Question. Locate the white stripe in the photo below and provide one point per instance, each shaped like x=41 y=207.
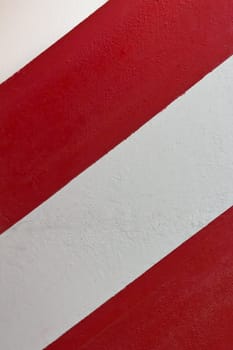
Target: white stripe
x=119 y=217
x=28 y=27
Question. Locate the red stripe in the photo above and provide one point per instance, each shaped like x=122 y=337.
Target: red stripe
x=96 y=86
x=183 y=302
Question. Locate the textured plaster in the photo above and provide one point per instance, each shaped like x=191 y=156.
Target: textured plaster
x=28 y=27
x=119 y=217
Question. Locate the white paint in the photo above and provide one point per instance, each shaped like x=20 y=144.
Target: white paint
x=28 y=27
x=119 y=217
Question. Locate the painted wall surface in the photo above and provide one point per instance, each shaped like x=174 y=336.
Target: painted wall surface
x=28 y=27
x=125 y=212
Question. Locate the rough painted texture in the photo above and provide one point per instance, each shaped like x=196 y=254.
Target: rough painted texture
x=119 y=217
x=27 y=27
x=184 y=302
x=96 y=86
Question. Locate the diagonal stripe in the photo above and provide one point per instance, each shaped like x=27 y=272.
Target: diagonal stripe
x=29 y=27
x=120 y=217
x=96 y=86
x=184 y=302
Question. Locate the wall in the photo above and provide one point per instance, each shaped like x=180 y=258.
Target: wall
x=125 y=212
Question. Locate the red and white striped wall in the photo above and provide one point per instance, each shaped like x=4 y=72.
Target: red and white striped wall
x=115 y=149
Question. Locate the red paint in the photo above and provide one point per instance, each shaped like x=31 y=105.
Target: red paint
x=183 y=302
x=96 y=86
